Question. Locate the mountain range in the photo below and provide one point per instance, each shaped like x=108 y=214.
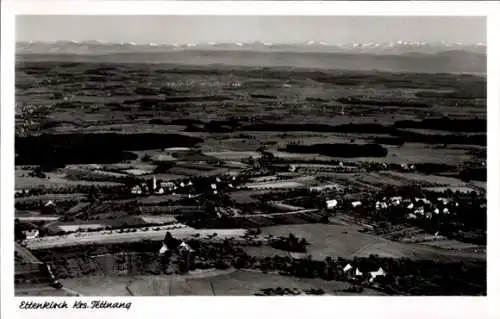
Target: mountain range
x=400 y=56
x=102 y=47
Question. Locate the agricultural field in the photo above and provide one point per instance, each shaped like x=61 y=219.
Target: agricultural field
x=274 y=184
x=348 y=242
x=207 y=283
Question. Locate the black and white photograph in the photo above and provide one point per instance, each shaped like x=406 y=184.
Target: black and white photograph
x=206 y=155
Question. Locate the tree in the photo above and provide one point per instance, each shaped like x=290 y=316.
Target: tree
x=19 y=235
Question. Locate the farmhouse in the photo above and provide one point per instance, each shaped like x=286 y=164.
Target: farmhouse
x=375 y=274
x=31 y=234
x=347 y=268
x=332 y=203
x=356 y=204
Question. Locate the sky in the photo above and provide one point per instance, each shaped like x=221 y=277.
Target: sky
x=276 y=29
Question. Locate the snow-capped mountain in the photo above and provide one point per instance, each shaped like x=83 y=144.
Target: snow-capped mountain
x=103 y=47
x=397 y=56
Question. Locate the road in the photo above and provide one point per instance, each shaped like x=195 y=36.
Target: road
x=38 y=218
x=278 y=214
x=25 y=254
x=115 y=237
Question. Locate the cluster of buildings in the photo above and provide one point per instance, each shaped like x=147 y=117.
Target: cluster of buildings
x=416 y=207
x=356 y=274
x=183 y=247
x=156 y=187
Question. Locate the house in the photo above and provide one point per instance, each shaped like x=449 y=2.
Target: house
x=428 y=215
x=411 y=216
x=419 y=211
x=443 y=200
x=214 y=186
x=163 y=249
x=331 y=203
x=49 y=204
x=324 y=187
x=347 y=268
x=410 y=206
x=446 y=211
x=381 y=205
x=356 y=204
x=167 y=185
x=358 y=273
x=436 y=211
x=375 y=274
x=136 y=190
x=184 y=246
x=31 y=234
x=160 y=191
x=396 y=200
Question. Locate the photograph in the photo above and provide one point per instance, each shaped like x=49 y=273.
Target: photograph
x=250 y=155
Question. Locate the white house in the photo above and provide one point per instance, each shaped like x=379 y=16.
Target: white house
x=167 y=185
x=331 y=203
x=358 y=273
x=356 y=204
x=347 y=268
x=375 y=274
x=31 y=234
x=396 y=200
x=163 y=249
x=443 y=200
x=419 y=211
x=136 y=190
x=184 y=246
x=49 y=203
x=214 y=186
x=381 y=205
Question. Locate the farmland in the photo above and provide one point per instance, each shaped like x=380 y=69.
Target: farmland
x=277 y=178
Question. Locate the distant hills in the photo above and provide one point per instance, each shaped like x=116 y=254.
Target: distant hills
x=399 y=56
